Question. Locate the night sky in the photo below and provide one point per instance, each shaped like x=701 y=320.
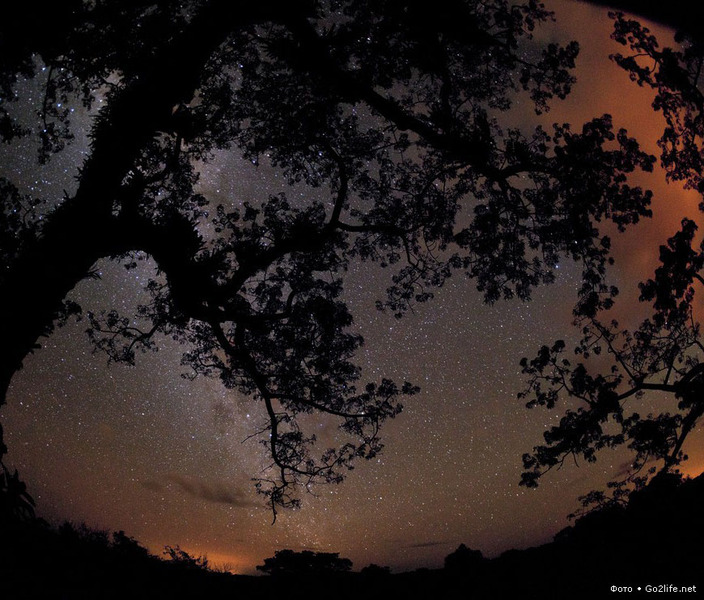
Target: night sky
x=143 y=450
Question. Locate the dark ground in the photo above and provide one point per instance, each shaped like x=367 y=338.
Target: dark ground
x=655 y=541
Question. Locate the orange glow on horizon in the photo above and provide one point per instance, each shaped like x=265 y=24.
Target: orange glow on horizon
x=237 y=563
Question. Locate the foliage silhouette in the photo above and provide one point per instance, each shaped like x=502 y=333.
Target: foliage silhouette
x=15 y=501
x=306 y=562
x=373 y=570
x=664 y=354
x=464 y=559
x=652 y=538
x=75 y=561
x=181 y=557
x=389 y=119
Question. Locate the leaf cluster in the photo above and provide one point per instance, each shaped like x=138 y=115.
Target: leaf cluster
x=662 y=358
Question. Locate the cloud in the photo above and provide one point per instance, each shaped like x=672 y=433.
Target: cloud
x=430 y=544
x=216 y=492
x=152 y=486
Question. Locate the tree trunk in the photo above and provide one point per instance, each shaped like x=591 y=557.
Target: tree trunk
x=89 y=226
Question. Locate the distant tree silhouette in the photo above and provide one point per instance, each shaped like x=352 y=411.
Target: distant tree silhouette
x=290 y=562
x=374 y=570
x=184 y=560
x=389 y=118
x=464 y=560
x=663 y=356
x=75 y=561
x=127 y=547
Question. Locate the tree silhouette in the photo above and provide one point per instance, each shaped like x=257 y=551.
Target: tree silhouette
x=664 y=354
x=307 y=562
x=464 y=560
x=374 y=571
x=391 y=117
x=184 y=560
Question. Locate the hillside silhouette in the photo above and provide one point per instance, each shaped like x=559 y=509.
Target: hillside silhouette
x=654 y=540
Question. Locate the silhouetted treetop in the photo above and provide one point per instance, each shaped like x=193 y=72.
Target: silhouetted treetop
x=464 y=560
x=374 y=571
x=390 y=118
x=306 y=562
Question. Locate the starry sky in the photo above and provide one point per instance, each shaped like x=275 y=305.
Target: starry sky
x=143 y=450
